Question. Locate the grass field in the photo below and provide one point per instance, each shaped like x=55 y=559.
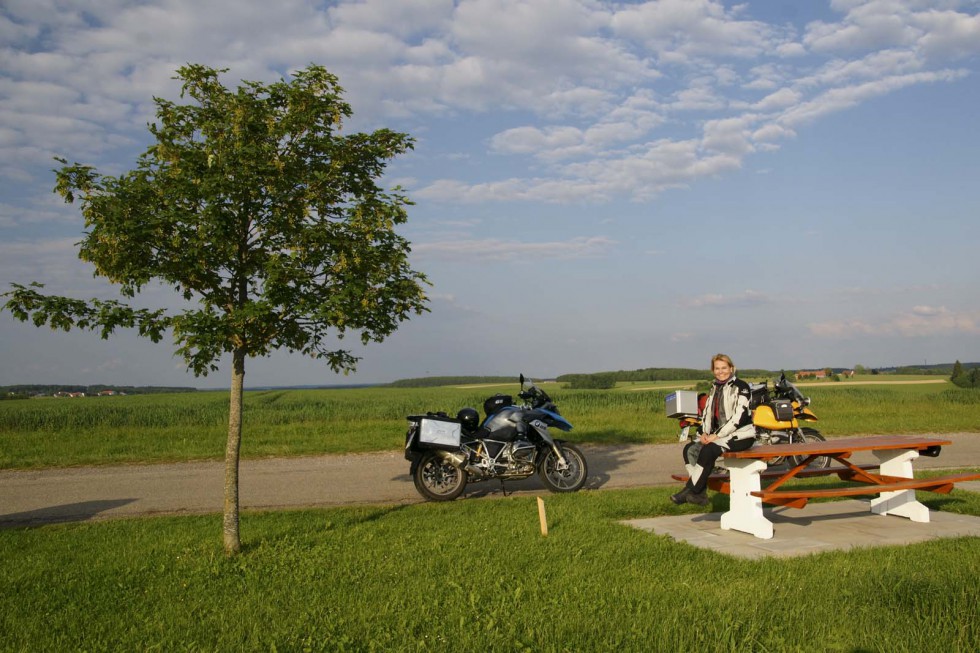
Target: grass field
x=473 y=576
x=172 y=427
x=469 y=575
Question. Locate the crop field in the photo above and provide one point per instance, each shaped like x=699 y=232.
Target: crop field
x=49 y=432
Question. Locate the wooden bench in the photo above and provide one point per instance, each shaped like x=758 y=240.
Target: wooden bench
x=895 y=483
x=798 y=497
x=721 y=482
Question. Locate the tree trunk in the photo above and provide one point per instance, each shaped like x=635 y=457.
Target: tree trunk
x=233 y=543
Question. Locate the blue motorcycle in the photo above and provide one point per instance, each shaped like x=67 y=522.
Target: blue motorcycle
x=512 y=442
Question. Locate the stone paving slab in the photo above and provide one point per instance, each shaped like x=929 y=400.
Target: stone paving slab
x=819 y=527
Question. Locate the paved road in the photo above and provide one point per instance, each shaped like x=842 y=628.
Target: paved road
x=79 y=494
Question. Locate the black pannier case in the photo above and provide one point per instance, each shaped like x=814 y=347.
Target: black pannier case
x=758 y=395
x=496 y=402
x=782 y=409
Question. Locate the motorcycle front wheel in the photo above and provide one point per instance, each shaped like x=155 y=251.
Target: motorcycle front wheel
x=436 y=479
x=810 y=435
x=568 y=479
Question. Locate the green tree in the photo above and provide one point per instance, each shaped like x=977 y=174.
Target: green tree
x=269 y=223
x=957 y=371
x=600 y=381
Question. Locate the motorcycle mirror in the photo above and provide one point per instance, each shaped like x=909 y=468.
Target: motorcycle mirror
x=522 y=379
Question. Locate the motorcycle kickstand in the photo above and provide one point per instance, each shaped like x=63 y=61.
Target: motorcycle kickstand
x=502 y=488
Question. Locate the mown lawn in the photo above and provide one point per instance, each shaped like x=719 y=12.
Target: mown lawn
x=473 y=575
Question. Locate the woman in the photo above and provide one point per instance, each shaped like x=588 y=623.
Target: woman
x=726 y=425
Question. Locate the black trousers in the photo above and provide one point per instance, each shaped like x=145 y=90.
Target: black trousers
x=707 y=457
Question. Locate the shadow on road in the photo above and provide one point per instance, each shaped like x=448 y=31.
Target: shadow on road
x=603 y=462
x=69 y=512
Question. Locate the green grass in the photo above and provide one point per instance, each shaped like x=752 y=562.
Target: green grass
x=473 y=576
x=173 y=427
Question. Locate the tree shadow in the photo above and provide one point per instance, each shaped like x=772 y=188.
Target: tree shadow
x=68 y=512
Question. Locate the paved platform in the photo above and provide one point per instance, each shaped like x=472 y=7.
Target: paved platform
x=819 y=527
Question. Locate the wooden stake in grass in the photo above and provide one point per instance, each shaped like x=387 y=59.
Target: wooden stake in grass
x=542 y=517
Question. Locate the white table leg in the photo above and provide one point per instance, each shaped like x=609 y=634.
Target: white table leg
x=745 y=512
x=903 y=502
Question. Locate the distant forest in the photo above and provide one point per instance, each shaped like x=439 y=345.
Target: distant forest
x=434 y=381
x=609 y=379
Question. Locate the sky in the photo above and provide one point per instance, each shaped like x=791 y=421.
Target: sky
x=597 y=185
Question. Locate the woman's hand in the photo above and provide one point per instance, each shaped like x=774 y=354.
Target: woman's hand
x=708 y=438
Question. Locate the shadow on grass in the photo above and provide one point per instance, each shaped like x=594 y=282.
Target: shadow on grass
x=69 y=512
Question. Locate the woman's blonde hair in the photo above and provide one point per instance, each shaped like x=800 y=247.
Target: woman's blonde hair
x=722 y=357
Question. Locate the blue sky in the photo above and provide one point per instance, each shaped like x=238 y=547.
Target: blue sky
x=598 y=185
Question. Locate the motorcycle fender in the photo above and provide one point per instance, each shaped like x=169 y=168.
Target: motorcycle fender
x=542 y=429
x=806 y=414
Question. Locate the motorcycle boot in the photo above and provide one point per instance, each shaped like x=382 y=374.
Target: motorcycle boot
x=681 y=497
x=697 y=498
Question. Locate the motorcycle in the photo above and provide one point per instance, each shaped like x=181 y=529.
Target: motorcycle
x=776 y=415
x=777 y=419
x=513 y=442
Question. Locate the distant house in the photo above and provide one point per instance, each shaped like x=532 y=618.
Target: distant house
x=847 y=373
x=811 y=374
x=107 y=393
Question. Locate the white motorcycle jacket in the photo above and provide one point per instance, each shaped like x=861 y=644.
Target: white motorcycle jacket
x=738 y=418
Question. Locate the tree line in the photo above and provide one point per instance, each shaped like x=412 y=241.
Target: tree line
x=435 y=381
x=966 y=376
x=36 y=390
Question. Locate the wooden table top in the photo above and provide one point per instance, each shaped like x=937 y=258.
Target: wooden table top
x=840 y=445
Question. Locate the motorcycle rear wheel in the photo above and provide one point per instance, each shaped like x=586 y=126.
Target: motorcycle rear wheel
x=570 y=479
x=810 y=435
x=436 y=479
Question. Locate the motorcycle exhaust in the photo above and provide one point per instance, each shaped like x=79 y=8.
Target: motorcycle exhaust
x=457 y=459
x=453 y=458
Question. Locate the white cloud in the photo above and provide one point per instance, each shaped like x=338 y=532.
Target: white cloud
x=839 y=99
x=949 y=34
x=596 y=63
x=571 y=102
x=679 y=29
x=502 y=250
x=748 y=298
x=934 y=28
x=918 y=322
x=784 y=97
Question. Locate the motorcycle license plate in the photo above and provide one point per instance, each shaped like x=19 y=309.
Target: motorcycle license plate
x=683 y=435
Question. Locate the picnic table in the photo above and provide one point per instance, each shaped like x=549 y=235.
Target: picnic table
x=893 y=481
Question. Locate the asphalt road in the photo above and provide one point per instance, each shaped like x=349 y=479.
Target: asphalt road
x=87 y=493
